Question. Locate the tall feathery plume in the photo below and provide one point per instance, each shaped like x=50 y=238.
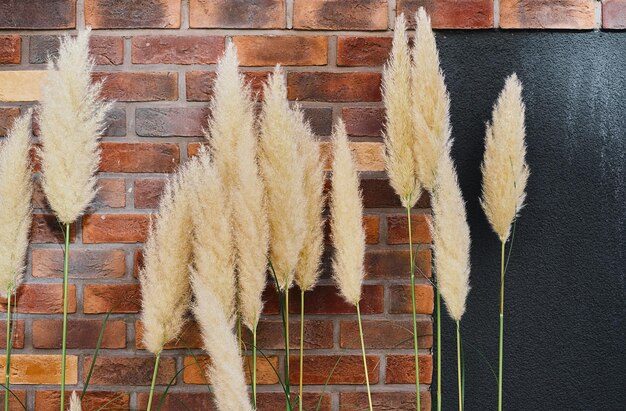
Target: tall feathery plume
x=226 y=369
x=71 y=120
x=16 y=192
x=308 y=268
x=400 y=140
x=283 y=173
x=505 y=174
x=234 y=147
x=348 y=234
x=75 y=404
x=451 y=244
x=165 y=287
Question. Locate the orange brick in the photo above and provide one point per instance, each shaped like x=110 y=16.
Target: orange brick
x=10 y=49
x=133 y=86
x=83 y=263
x=284 y=50
x=195 y=370
x=177 y=49
x=397 y=401
x=368 y=156
x=401 y=369
x=115 y=228
x=139 y=157
x=40 y=369
x=117 y=298
x=93 y=400
x=257 y=14
x=398 y=232
x=42 y=299
x=348 y=369
x=401 y=300
x=390 y=334
x=340 y=14
x=129 y=371
x=448 y=14
x=547 y=14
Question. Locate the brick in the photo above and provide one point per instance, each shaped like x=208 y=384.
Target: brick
x=446 y=14
x=115 y=228
x=177 y=49
x=80 y=334
x=372 y=228
x=320 y=119
x=348 y=369
x=363 y=121
x=401 y=303
x=398 y=233
x=189 y=338
x=265 y=374
x=132 y=14
x=93 y=400
x=29 y=14
x=614 y=14
x=362 y=51
x=40 y=369
x=401 y=369
x=10 y=49
x=368 y=156
x=42 y=299
x=251 y=14
x=385 y=401
x=106 y=50
x=334 y=87
x=111 y=193
x=318 y=334
x=388 y=264
x=115 y=123
x=391 y=334
x=8 y=116
x=372 y=301
x=283 y=50
x=117 y=298
x=127 y=371
x=276 y=400
x=377 y=193
x=147 y=192
x=23 y=85
x=14 y=404
x=134 y=86
x=547 y=14
x=340 y=14
x=178 y=401
x=168 y=122
x=137 y=262
x=18 y=333
x=48 y=263
x=139 y=157
x=199 y=84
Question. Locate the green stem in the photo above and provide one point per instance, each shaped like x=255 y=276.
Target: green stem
x=254 y=366
x=458 y=364
x=66 y=264
x=154 y=376
x=501 y=327
x=415 y=336
x=367 y=377
x=7 y=368
x=287 y=348
x=438 y=349
x=301 y=344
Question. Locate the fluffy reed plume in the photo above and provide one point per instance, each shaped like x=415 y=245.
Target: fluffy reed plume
x=283 y=174
x=71 y=120
x=226 y=370
x=234 y=147
x=451 y=239
x=16 y=191
x=213 y=251
x=431 y=102
x=400 y=138
x=504 y=167
x=75 y=404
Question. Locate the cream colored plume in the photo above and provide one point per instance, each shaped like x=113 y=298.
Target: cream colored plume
x=504 y=167
x=213 y=248
x=71 y=119
x=346 y=214
x=226 y=369
x=165 y=288
x=431 y=102
x=16 y=192
x=400 y=137
x=451 y=239
x=283 y=173
x=308 y=268
x=75 y=402
x=234 y=146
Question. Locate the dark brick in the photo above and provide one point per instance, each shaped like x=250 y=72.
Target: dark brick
x=132 y=14
x=363 y=51
x=252 y=14
x=167 y=122
x=29 y=14
x=106 y=50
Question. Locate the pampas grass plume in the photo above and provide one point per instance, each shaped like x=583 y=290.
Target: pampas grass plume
x=283 y=174
x=504 y=167
x=431 y=102
x=400 y=138
x=16 y=191
x=451 y=239
x=226 y=369
x=71 y=120
x=346 y=209
x=165 y=288
x=75 y=404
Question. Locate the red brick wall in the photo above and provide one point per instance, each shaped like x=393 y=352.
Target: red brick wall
x=158 y=57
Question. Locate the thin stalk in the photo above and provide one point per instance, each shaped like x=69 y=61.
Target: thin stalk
x=7 y=368
x=501 y=327
x=367 y=377
x=66 y=264
x=415 y=337
x=154 y=376
x=287 y=347
x=458 y=364
x=301 y=344
x=254 y=366
x=438 y=350
x=239 y=331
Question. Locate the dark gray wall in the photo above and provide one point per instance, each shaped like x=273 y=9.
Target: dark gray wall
x=565 y=300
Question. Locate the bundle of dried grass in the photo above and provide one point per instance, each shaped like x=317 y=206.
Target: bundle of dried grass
x=75 y=404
